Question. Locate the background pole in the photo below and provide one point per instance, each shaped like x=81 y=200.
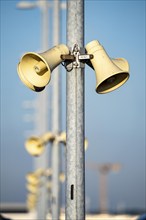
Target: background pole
x=56 y=119
x=42 y=125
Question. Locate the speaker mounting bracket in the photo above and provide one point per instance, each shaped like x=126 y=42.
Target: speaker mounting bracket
x=76 y=59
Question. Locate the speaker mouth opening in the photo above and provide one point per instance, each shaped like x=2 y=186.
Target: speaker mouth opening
x=112 y=83
x=38 y=89
x=34 y=146
x=34 y=71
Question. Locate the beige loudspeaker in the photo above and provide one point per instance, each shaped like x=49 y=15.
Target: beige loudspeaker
x=110 y=73
x=31 y=197
x=34 y=69
x=33 y=179
x=36 y=145
x=32 y=188
x=31 y=204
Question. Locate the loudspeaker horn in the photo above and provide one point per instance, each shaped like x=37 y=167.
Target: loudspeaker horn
x=33 y=179
x=110 y=73
x=31 y=188
x=34 y=69
x=36 y=145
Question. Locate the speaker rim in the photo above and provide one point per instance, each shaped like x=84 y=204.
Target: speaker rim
x=118 y=85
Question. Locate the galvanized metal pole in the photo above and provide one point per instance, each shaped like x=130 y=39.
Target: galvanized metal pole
x=56 y=120
x=75 y=185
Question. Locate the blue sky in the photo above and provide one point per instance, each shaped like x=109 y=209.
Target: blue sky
x=114 y=122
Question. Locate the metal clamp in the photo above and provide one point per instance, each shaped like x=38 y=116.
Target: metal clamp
x=76 y=59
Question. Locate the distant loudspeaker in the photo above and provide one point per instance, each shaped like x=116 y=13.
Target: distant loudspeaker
x=32 y=188
x=33 y=179
x=110 y=73
x=36 y=145
x=34 y=69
